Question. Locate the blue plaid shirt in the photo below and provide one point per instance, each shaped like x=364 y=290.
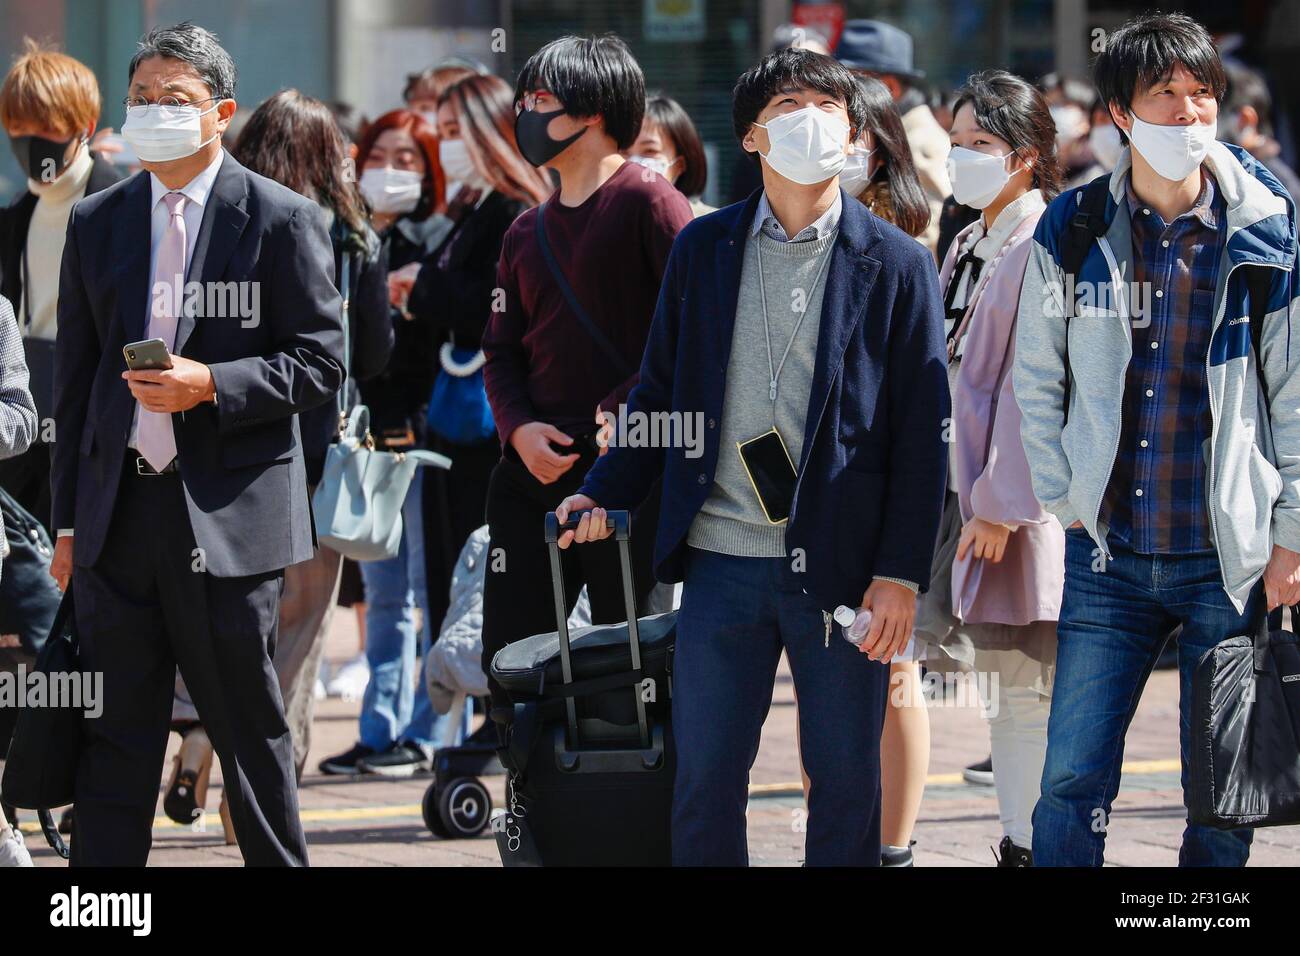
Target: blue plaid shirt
x=1156 y=500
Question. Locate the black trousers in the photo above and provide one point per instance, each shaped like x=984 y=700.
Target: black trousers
x=517 y=597
x=146 y=607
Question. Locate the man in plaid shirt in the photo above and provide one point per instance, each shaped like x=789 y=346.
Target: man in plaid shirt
x=1155 y=502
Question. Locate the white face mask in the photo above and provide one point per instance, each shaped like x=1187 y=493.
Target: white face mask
x=657 y=163
x=1069 y=120
x=855 y=175
x=1105 y=144
x=391 y=190
x=977 y=178
x=159 y=134
x=453 y=154
x=429 y=116
x=1174 y=152
x=807 y=145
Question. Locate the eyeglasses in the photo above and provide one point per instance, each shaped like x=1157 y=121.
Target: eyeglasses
x=530 y=101
x=168 y=102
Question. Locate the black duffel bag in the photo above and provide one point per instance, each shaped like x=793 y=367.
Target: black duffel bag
x=41 y=766
x=1245 y=761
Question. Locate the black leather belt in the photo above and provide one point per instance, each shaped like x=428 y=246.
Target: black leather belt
x=142 y=467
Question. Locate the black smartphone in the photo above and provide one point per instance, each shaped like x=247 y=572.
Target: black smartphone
x=147 y=354
x=771 y=472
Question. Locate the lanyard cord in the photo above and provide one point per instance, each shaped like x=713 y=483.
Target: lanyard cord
x=775 y=373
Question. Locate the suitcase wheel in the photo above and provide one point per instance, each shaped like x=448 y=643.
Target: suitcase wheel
x=457 y=810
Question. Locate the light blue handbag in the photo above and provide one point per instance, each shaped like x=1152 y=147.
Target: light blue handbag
x=358 y=503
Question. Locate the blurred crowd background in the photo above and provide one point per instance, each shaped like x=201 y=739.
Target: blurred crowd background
x=361 y=52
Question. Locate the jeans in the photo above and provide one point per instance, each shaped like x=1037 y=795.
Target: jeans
x=737 y=616
x=1113 y=625
x=396 y=704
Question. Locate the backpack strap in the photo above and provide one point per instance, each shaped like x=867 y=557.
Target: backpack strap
x=1086 y=226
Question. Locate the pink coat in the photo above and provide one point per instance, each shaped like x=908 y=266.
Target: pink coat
x=991 y=471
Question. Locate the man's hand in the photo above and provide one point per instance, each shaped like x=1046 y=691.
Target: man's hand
x=533 y=443
x=1282 y=578
x=177 y=389
x=591 y=527
x=986 y=539
x=61 y=563
x=893 y=609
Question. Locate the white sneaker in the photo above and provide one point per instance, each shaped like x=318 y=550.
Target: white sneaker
x=349 y=681
x=13 y=852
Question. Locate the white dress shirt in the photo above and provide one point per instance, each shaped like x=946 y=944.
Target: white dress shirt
x=196 y=193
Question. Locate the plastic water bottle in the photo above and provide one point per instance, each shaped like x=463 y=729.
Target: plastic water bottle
x=854 y=624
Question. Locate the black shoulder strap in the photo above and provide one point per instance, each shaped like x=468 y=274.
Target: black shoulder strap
x=1087 y=225
x=606 y=346
x=1258 y=280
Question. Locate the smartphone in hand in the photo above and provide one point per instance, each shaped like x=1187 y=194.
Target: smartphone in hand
x=147 y=354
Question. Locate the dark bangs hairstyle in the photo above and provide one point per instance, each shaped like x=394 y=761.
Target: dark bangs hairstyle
x=1015 y=110
x=590 y=76
x=911 y=211
x=794 y=69
x=294 y=139
x=433 y=190
x=674 y=122
x=1144 y=52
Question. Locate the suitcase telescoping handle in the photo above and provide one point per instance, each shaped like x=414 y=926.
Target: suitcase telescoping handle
x=620 y=522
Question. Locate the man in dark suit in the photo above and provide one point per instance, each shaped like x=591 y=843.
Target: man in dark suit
x=184 y=489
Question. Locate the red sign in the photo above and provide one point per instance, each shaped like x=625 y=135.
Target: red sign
x=826 y=18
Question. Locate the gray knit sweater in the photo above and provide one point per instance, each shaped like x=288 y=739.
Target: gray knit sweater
x=731 y=520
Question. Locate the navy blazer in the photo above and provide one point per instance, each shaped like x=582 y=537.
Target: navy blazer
x=874 y=463
x=241 y=462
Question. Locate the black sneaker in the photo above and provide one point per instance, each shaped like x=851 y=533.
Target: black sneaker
x=980 y=774
x=897 y=855
x=403 y=759
x=346 y=763
x=1008 y=854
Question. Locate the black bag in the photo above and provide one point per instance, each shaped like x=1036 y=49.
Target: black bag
x=589 y=746
x=41 y=767
x=29 y=597
x=1244 y=768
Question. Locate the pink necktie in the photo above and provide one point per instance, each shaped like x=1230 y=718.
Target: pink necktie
x=155 y=438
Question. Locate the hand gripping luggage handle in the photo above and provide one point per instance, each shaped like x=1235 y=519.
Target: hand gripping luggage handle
x=621 y=523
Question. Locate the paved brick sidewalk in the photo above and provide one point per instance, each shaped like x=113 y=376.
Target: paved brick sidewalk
x=374 y=822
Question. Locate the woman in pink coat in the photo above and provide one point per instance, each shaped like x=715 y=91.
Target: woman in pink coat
x=999 y=567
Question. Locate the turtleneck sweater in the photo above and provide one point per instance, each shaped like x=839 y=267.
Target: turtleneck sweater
x=44 y=250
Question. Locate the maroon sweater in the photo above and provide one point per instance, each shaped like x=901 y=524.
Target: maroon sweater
x=542 y=365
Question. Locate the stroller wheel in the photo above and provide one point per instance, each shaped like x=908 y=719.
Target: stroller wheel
x=429 y=809
x=464 y=806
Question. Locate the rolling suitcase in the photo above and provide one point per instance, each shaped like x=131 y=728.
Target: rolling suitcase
x=589 y=745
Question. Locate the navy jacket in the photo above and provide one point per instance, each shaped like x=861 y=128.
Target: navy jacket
x=874 y=462
x=241 y=462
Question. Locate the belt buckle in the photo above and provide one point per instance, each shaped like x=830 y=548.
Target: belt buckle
x=144 y=469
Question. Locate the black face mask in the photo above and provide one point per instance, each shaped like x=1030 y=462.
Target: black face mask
x=535 y=142
x=43 y=160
